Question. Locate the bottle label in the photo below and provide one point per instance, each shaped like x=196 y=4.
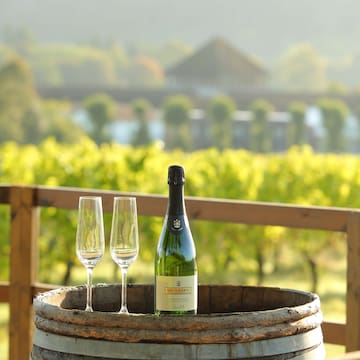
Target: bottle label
x=176 y=293
x=176 y=223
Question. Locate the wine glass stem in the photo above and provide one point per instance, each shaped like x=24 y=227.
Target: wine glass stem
x=123 y=309
x=89 y=271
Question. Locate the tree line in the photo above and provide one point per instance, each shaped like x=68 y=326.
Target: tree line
x=176 y=114
x=102 y=64
x=301 y=67
x=26 y=118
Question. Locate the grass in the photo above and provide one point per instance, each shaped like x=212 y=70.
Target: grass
x=291 y=274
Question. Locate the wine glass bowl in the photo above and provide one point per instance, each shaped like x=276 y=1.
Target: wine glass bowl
x=90 y=239
x=124 y=240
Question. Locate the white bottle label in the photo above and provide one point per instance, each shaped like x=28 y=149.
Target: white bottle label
x=176 y=293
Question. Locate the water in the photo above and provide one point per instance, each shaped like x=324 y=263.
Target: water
x=123 y=131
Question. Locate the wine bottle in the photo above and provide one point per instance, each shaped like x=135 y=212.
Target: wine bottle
x=175 y=261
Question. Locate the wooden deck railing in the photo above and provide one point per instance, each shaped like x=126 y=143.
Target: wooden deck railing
x=25 y=202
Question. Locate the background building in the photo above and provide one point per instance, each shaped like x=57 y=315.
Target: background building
x=217 y=66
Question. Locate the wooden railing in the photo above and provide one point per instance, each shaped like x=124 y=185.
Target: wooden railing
x=25 y=202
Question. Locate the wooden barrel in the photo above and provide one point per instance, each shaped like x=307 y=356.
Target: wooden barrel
x=234 y=322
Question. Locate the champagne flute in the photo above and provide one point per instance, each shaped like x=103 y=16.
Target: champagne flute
x=90 y=240
x=124 y=240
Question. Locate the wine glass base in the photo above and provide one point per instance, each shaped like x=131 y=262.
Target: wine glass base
x=124 y=310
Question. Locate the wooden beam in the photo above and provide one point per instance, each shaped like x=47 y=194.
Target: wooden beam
x=244 y=212
x=4 y=291
x=260 y=213
x=353 y=283
x=23 y=269
x=334 y=333
x=4 y=194
x=68 y=198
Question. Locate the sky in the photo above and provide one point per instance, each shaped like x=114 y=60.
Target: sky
x=262 y=27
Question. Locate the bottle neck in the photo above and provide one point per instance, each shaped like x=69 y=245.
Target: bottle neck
x=176 y=203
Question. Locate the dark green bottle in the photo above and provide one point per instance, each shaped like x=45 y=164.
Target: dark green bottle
x=175 y=261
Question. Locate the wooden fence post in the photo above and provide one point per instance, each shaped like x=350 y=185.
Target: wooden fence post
x=23 y=269
x=353 y=283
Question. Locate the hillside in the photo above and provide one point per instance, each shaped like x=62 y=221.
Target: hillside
x=263 y=28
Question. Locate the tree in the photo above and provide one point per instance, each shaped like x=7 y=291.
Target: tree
x=33 y=124
x=59 y=125
x=297 y=128
x=176 y=114
x=66 y=64
x=221 y=111
x=357 y=116
x=6 y=54
x=120 y=59
x=145 y=71
x=101 y=110
x=302 y=68
x=334 y=113
x=93 y=67
x=172 y=52
x=17 y=71
x=259 y=126
x=19 y=115
x=140 y=108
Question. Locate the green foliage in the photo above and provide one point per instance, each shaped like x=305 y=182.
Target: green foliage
x=24 y=117
x=259 y=128
x=140 y=109
x=297 y=129
x=60 y=64
x=145 y=71
x=221 y=111
x=67 y=64
x=357 y=116
x=16 y=70
x=20 y=118
x=292 y=177
x=6 y=54
x=58 y=122
x=120 y=59
x=176 y=110
x=171 y=52
x=302 y=68
x=176 y=114
x=101 y=110
x=334 y=114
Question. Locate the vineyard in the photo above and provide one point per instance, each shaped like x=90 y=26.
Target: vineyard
x=298 y=176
